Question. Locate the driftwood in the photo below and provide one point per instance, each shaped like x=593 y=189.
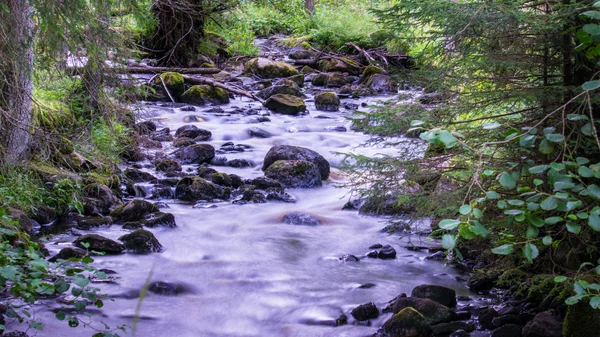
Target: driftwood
x=157 y=70
x=228 y=87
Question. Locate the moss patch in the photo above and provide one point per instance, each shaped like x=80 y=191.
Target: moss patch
x=173 y=81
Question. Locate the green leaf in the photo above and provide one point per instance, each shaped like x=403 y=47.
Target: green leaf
x=592 y=14
x=553 y=220
x=533 y=206
x=504 y=249
x=73 y=322
x=531 y=232
x=530 y=252
x=465 y=209
x=507 y=180
x=577 y=117
x=492 y=195
x=447 y=139
x=416 y=123
x=538 y=182
x=477 y=213
x=595 y=302
x=527 y=141
x=573 y=299
x=537 y=222
x=479 y=229
x=549 y=204
x=516 y=202
x=585 y=172
x=591 y=85
x=538 y=169
x=563 y=185
x=81 y=280
x=574 y=228
x=79 y=305
x=560 y=279
x=489 y=126
x=594 y=221
x=547 y=240
x=557 y=166
x=545 y=147
x=555 y=137
x=449 y=224
x=487 y=173
x=513 y=212
x=501 y=204
x=448 y=241
x=8 y=272
x=582 y=160
x=60 y=315
x=594 y=191
x=587 y=129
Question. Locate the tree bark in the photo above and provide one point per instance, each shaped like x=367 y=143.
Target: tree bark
x=16 y=69
x=310 y=6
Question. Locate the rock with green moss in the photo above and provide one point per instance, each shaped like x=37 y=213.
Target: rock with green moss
x=307 y=70
x=292 y=90
x=173 y=81
x=343 y=65
x=481 y=280
x=66 y=146
x=369 y=72
x=440 y=294
x=327 y=101
x=160 y=219
x=196 y=188
x=337 y=80
x=221 y=179
x=295 y=173
x=168 y=165
x=432 y=311
x=198 y=94
x=95 y=242
x=87 y=223
x=208 y=65
x=286 y=104
x=134 y=210
x=406 y=323
x=266 y=68
x=581 y=321
x=141 y=241
x=319 y=80
x=289 y=152
x=383 y=84
x=297 y=79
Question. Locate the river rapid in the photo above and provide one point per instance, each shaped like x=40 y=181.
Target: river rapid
x=240 y=270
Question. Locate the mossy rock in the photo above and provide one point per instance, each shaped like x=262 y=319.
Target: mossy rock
x=337 y=80
x=307 y=70
x=196 y=188
x=482 y=279
x=320 y=80
x=280 y=89
x=511 y=278
x=581 y=321
x=297 y=79
x=383 y=84
x=221 y=179
x=343 y=65
x=295 y=173
x=432 y=311
x=173 y=81
x=266 y=68
x=406 y=323
x=95 y=242
x=134 y=210
x=198 y=94
x=327 y=101
x=66 y=146
x=286 y=104
x=141 y=241
x=369 y=72
x=208 y=65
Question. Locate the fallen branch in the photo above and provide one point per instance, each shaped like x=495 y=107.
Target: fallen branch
x=230 y=88
x=157 y=70
x=362 y=52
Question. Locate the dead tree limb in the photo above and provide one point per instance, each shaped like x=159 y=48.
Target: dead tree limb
x=156 y=70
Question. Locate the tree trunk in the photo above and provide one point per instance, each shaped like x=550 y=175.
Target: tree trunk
x=16 y=69
x=310 y=6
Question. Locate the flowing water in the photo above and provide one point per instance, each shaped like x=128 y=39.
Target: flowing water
x=243 y=272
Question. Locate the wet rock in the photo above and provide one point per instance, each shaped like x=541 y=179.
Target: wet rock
x=337 y=80
x=545 y=324
x=196 y=188
x=280 y=196
x=460 y=333
x=239 y=163
x=351 y=106
x=297 y=79
x=286 y=104
x=445 y=329
x=103 y=196
x=367 y=286
x=288 y=152
x=99 y=243
x=168 y=165
x=173 y=81
x=266 y=68
x=220 y=179
x=16 y=334
x=134 y=210
x=193 y=132
x=433 y=312
x=167 y=289
x=463 y=315
x=195 y=154
x=188 y=108
x=199 y=94
x=295 y=173
x=160 y=219
x=509 y=330
x=506 y=319
x=162 y=135
x=387 y=252
x=372 y=254
x=264 y=183
x=342 y=65
x=319 y=79
x=145 y=128
x=132 y=225
x=259 y=133
x=205 y=172
x=327 y=101
x=291 y=90
x=162 y=192
x=68 y=253
x=368 y=72
x=138 y=176
x=376 y=246
x=439 y=256
x=299 y=53
x=307 y=70
x=301 y=219
x=365 y=312
x=336 y=128
x=486 y=316
x=385 y=205
x=383 y=84
x=442 y=295
x=87 y=223
x=183 y=141
x=581 y=321
x=406 y=323
x=350 y=258
x=481 y=280
x=141 y=242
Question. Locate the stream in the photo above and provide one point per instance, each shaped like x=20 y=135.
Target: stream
x=240 y=270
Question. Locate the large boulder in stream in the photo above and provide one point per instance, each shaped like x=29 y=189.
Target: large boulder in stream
x=286 y=104
x=197 y=188
x=195 y=154
x=295 y=173
x=383 y=84
x=134 y=210
x=173 y=81
x=288 y=152
x=168 y=165
x=266 y=68
x=198 y=94
x=193 y=132
x=286 y=89
x=141 y=242
x=337 y=80
x=99 y=244
x=406 y=323
x=440 y=294
x=433 y=312
x=327 y=101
